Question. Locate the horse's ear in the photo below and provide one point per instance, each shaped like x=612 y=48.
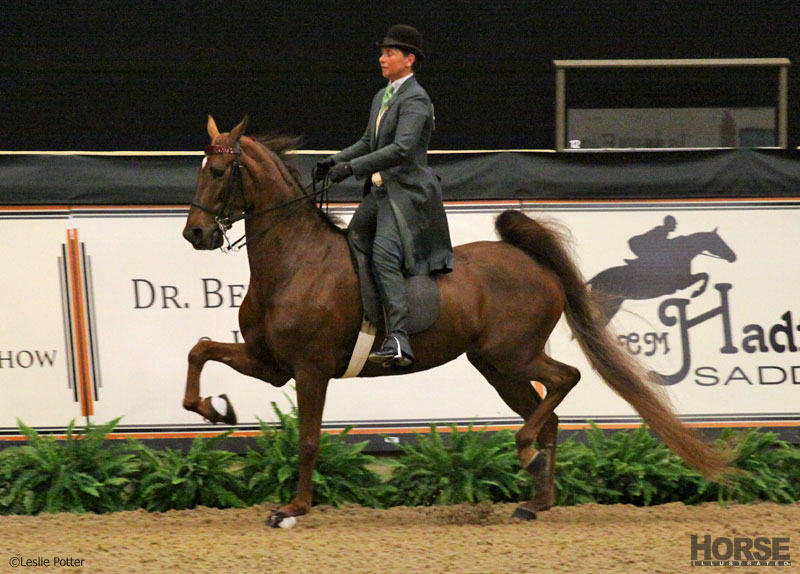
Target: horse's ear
x=213 y=131
x=716 y=229
x=238 y=131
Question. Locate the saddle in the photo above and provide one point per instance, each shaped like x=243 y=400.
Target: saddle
x=423 y=293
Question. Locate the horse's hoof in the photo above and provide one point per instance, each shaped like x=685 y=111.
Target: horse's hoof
x=522 y=513
x=280 y=520
x=287 y=522
x=223 y=407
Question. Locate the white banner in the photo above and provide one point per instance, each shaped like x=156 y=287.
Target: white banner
x=101 y=307
x=34 y=341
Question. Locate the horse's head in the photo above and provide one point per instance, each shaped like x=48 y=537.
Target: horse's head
x=219 y=194
x=714 y=245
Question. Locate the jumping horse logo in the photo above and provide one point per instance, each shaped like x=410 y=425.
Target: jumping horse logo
x=663 y=266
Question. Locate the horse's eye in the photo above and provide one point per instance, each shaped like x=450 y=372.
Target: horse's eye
x=217 y=172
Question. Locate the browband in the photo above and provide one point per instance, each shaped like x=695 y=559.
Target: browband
x=217 y=149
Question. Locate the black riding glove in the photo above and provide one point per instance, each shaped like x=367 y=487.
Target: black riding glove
x=340 y=171
x=322 y=167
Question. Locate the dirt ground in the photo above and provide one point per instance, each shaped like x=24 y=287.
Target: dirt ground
x=458 y=539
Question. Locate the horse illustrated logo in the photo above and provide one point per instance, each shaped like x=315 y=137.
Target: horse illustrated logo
x=663 y=266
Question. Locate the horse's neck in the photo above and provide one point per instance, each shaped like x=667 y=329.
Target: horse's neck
x=286 y=237
x=689 y=245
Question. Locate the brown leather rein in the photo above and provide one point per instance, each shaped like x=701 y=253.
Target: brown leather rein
x=225 y=218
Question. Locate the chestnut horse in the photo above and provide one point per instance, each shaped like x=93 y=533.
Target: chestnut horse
x=303 y=311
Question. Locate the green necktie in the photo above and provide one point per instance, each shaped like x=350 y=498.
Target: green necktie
x=387 y=95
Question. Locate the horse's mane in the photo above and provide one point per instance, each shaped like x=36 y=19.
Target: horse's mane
x=689 y=237
x=282 y=146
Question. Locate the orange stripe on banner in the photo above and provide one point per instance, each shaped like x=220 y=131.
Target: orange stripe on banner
x=207 y=434
x=462 y=428
x=442 y=429
x=700 y=425
x=407 y=430
x=131 y=207
x=81 y=332
x=16 y=208
x=526 y=203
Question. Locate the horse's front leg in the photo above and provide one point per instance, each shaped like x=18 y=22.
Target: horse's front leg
x=311 y=390
x=236 y=356
x=700 y=277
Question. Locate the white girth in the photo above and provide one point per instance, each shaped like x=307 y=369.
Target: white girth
x=366 y=337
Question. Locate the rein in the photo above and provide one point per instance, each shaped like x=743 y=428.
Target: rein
x=225 y=218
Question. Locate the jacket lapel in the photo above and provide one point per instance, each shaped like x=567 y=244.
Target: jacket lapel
x=392 y=103
x=373 y=118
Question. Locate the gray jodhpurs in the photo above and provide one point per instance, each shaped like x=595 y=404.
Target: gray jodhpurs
x=375 y=224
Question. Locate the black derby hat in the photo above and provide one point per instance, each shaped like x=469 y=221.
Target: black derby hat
x=404 y=37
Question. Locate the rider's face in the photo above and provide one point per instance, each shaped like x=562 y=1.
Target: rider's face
x=395 y=64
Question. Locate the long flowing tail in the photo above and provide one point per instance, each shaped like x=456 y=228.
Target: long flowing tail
x=619 y=370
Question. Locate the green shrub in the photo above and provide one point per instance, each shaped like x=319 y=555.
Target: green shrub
x=78 y=474
x=576 y=479
x=475 y=467
x=791 y=466
x=86 y=473
x=205 y=476
x=341 y=474
x=634 y=467
x=771 y=470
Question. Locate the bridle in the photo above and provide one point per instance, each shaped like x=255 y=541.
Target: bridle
x=224 y=216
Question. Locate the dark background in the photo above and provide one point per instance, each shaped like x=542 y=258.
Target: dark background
x=144 y=75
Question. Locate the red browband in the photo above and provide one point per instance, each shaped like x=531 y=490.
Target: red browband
x=217 y=149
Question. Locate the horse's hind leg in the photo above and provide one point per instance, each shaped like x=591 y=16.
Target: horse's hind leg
x=558 y=379
x=547 y=440
x=236 y=356
x=522 y=398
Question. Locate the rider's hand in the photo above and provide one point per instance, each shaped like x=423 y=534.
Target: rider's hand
x=322 y=167
x=340 y=171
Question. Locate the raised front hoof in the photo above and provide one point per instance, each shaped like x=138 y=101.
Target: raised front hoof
x=221 y=410
x=280 y=520
x=522 y=513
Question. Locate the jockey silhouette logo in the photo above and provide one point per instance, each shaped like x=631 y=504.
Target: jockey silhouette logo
x=648 y=245
x=662 y=266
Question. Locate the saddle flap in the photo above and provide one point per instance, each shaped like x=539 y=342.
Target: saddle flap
x=422 y=292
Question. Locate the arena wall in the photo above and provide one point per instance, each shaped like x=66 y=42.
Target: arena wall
x=103 y=298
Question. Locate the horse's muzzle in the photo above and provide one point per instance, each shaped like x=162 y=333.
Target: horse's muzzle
x=206 y=238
